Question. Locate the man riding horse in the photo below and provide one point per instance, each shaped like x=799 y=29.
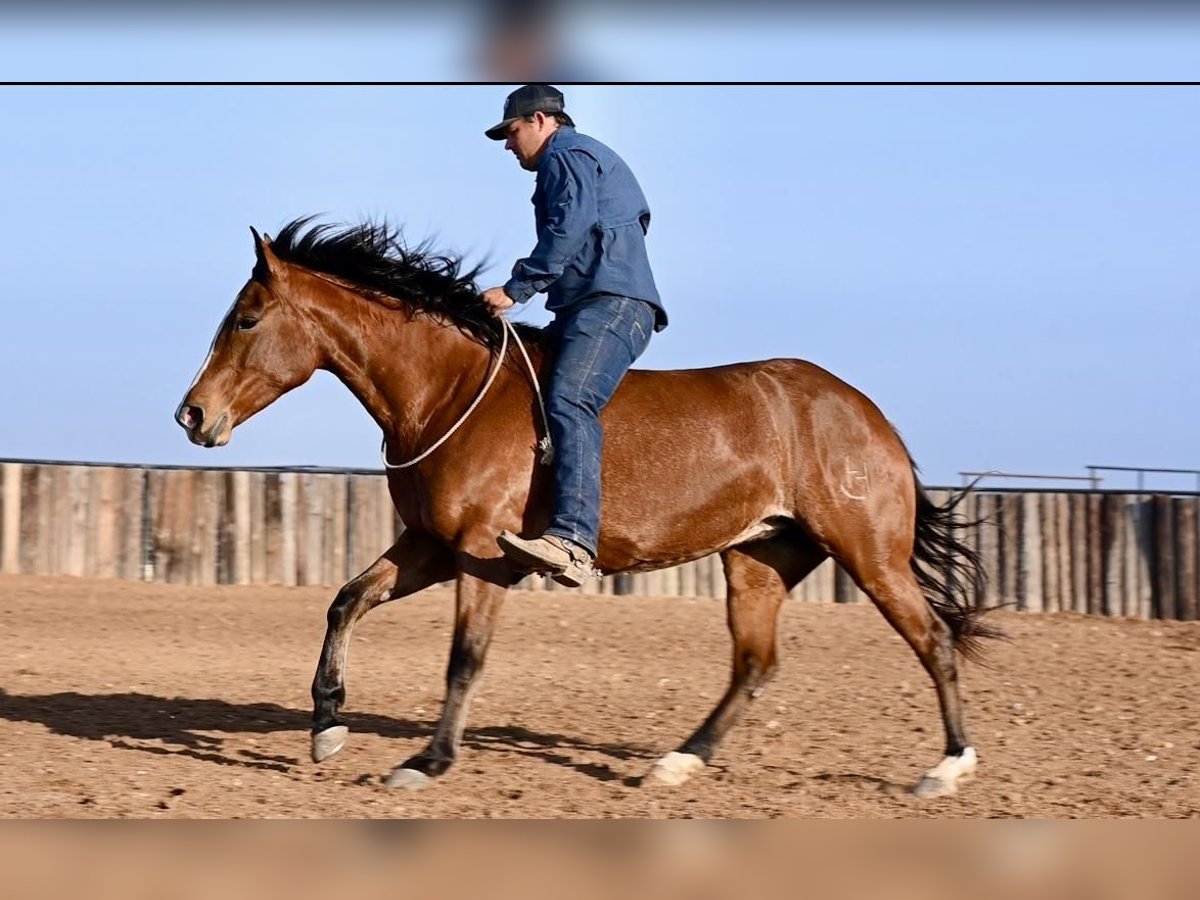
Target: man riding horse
x=590 y=259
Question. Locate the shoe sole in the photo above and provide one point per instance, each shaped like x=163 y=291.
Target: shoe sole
x=568 y=580
x=525 y=558
x=521 y=556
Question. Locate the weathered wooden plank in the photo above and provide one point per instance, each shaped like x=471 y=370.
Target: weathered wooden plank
x=239 y=486
x=304 y=557
x=987 y=536
x=136 y=561
x=1079 y=552
x=1139 y=555
x=704 y=576
x=720 y=584
x=1062 y=508
x=160 y=512
x=10 y=520
x=1030 y=567
x=310 y=505
x=256 y=490
x=1187 y=558
x=227 y=542
x=1163 y=562
x=290 y=526
x=185 y=486
x=104 y=522
x=1010 y=550
x=1114 y=527
x=155 y=558
x=210 y=505
x=1096 y=541
x=273 y=531
x=687 y=580
x=1051 y=601
x=31 y=539
x=79 y=484
x=366 y=544
x=337 y=532
x=59 y=525
x=670 y=582
x=969 y=510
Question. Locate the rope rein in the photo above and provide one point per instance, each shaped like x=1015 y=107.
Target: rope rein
x=545 y=445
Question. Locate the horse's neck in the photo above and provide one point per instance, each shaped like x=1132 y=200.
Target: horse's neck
x=402 y=369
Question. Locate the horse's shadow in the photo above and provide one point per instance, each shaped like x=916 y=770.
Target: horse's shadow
x=183 y=726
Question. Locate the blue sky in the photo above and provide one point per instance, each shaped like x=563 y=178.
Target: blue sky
x=1009 y=272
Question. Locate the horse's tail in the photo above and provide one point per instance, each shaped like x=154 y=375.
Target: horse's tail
x=949 y=572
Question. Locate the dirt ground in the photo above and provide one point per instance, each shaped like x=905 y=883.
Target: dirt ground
x=132 y=700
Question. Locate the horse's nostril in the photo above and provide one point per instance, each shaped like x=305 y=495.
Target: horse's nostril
x=189 y=417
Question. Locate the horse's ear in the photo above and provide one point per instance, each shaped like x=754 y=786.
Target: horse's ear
x=264 y=257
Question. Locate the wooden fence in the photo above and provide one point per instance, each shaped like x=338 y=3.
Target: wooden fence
x=1099 y=552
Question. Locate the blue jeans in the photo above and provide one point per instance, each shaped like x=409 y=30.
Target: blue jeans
x=599 y=339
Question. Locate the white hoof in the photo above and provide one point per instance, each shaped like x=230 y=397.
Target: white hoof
x=675 y=768
x=943 y=779
x=328 y=742
x=409 y=779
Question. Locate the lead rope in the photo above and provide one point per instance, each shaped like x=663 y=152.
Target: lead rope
x=545 y=445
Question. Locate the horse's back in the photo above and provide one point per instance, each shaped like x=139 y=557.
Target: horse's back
x=777 y=395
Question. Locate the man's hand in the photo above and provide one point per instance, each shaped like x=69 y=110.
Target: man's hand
x=497 y=300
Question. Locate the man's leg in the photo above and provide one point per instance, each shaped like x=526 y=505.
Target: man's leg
x=600 y=340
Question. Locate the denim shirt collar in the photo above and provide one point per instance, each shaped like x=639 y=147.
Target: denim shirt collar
x=560 y=132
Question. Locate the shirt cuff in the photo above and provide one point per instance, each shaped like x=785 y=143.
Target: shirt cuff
x=519 y=290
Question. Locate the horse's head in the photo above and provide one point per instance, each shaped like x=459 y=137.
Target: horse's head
x=263 y=348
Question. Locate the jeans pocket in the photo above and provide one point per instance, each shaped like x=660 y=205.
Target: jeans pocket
x=641 y=327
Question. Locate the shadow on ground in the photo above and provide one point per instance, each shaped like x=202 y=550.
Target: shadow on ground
x=185 y=726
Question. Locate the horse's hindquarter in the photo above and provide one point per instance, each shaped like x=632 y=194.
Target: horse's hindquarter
x=697 y=460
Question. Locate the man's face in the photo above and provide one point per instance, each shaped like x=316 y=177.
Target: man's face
x=527 y=138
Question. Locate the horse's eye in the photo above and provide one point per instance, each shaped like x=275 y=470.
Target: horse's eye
x=245 y=323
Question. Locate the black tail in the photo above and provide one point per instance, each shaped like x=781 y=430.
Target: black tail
x=950 y=572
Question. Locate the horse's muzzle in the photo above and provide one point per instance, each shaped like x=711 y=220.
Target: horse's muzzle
x=191 y=419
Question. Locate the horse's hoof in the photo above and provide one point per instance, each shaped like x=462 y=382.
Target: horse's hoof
x=928 y=788
x=943 y=779
x=409 y=779
x=328 y=742
x=675 y=768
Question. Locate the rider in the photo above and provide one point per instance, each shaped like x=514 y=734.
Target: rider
x=590 y=259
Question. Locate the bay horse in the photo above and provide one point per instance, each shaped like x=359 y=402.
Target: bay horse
x=776 y=465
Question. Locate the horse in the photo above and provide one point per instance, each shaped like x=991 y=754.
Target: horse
x=776 y=465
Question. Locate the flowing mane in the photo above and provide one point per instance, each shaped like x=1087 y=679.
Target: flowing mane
x=374 y=257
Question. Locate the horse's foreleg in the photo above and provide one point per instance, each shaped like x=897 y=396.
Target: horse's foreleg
x=759 y=577
x=414 y=562
x=482 y=587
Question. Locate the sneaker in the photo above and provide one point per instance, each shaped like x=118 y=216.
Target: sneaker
x=566 y=562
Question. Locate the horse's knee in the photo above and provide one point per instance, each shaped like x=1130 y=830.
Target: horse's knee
x=339 y=609
x=352 y=600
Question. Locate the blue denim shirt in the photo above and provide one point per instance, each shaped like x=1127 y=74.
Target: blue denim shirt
x=592 y=219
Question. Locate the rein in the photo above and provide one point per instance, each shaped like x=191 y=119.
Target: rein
x=545 y=445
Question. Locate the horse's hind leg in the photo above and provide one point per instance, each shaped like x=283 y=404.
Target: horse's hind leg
x=759 y=576
x=894 y=589
x=413 y=563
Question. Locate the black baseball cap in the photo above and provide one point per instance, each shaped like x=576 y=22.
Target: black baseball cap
x=525 y=101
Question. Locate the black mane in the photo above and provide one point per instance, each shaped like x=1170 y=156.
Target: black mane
x=374 y=257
